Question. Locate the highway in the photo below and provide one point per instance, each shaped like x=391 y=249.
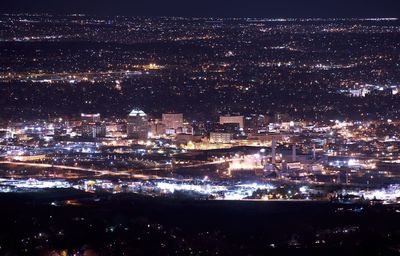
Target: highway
x=95 y=171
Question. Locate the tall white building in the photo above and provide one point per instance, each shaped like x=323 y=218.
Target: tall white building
x=137 y=124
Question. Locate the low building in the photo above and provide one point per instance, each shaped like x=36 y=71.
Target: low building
x=220 y=137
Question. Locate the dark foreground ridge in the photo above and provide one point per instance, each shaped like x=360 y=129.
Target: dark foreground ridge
x=71 y=223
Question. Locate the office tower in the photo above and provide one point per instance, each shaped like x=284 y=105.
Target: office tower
x=172 y=121
x=273 y=154
x=90 y=118
x=93 y=130
x=281 y=117
x=92 y=126
x=157 y=128
x=254 y=123
x=232 y=120
x=137 y=124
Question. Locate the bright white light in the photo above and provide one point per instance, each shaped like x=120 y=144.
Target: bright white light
x=303 y=189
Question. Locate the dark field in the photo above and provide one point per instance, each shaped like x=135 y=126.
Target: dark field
x=75 y=222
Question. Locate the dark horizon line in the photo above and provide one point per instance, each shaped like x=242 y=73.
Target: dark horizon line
x=203 y=17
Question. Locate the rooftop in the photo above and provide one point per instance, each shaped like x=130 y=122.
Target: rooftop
x=137 y=112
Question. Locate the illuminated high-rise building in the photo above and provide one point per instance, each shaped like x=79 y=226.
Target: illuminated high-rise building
x=157 y=128
x=281 y=117
x=172 y=121
x=254 y=123
x=273 y=149
x=137 y=124
x=93 y=130
x=90 y=118
x=232 y=120
x=92 y=126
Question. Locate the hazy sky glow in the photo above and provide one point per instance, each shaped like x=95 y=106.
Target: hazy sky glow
x=215 y=8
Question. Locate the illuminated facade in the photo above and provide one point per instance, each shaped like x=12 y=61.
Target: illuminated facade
x=220 y=137
x=137 y=124
x=232 y=120
x=92 y=126
x=93 y=130
x=90 y=118
x=173 y=121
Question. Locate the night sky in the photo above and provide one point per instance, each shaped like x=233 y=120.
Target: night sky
x=211 y=8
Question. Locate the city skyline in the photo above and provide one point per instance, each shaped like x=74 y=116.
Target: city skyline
x=199 y=128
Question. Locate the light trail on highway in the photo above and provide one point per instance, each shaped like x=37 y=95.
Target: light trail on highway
x=98 y=172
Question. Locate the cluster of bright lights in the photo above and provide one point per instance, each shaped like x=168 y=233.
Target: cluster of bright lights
x=34 y=184
x=202 y=187
x=237 y=191
x=234 y=192
x=248 y=162
x=389 y=194
x=205 y=189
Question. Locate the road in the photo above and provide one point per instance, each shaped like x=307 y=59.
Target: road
x=97 y=172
